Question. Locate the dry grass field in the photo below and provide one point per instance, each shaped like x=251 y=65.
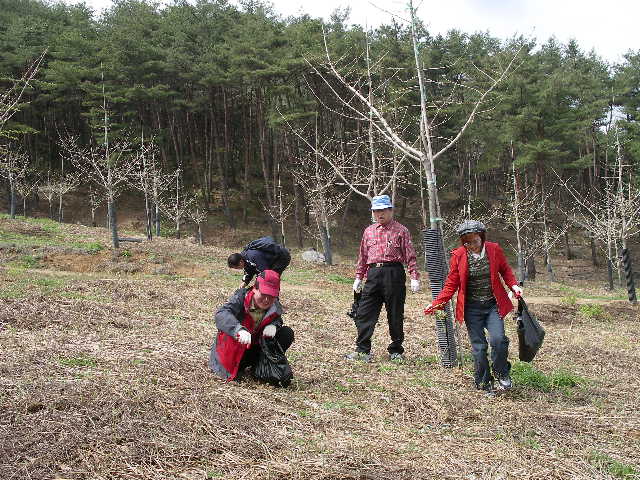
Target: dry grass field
x=103 y=376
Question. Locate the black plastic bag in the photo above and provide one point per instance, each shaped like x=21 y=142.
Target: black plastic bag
x=354 y=306
x=272 y=365
x=530 y=333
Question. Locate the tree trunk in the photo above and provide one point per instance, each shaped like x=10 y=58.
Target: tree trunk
x=521 y=268
x=60 y=211
x=594 y=253
x=568 y=254
x=326 y=245
x=112 y=223
x=531 y=268
x=147 y=210
x=246 y=193
x=222 y=164
x=298 y=214
x=157 y=218
x=12 y=198
x=610 y=273
x=552 y=276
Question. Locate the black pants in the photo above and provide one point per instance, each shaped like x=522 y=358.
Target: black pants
x=284 y=336
x=384 y=285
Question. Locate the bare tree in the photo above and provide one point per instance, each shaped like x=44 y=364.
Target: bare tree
x=153 y=182
x=611 y=214
x=13 y=167
x=95 y=200
x=48 y=190
x=26 y=186
x=108 y=166
x=526 y=215
x=176 y=204
x=318 y=181
x=63 y=185
x=198 y=214
x=362 y=106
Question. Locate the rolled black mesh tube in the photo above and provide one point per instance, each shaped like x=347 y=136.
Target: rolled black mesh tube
x=437 y=268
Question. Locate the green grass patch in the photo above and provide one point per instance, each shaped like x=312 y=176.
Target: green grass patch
x=341 y=405
x=94 y=247
x=530 y=441
x=45 y=223
x=23 y=284
x=80 y=361
x=26 y=261
x=594 y=312
x=616 y=469
x=339 y=279
x=563 y=380
x=49 y=234
x=300 y=276
x=421 y=382
x=569 y=300
x=573 y=292
x=428 y=360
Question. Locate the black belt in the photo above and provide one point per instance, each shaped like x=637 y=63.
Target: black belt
x=385 y=264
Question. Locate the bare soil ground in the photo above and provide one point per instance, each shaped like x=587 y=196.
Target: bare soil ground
x=103 y=376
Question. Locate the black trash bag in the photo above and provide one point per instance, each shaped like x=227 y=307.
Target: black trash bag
x=272 y=365
x=354 y=306
x=530 y=333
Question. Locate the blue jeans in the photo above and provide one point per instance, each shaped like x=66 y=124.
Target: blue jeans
x=479 y=316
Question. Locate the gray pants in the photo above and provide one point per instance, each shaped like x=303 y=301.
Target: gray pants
x=479 y=316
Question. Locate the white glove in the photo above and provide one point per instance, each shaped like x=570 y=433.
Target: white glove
x=517 y=290
x=244 y=337
x=357 y=284
x=415 y=285
x=269 y=331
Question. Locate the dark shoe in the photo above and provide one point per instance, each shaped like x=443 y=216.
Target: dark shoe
x=491 y=393
x=504 y=382
x=487 y=388
x=361 y=356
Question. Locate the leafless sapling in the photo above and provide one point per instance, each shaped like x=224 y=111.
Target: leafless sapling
x=13 y=167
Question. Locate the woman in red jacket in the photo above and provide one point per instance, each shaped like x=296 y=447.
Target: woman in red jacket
x=476 y=271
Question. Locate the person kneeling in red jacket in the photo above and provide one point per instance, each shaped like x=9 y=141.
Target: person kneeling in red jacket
x=475 y=271
x=248 y=315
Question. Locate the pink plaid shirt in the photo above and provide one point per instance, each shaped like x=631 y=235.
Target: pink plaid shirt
x=386 y=243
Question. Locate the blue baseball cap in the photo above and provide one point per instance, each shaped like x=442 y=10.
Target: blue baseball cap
x=380 y=202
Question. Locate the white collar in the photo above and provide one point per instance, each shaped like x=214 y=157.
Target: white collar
x=478 y=256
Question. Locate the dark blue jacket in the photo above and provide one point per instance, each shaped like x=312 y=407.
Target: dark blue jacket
x=264 y=254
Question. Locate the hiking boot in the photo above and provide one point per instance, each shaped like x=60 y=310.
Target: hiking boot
x=361 y=356
x=396 y=357
x=504 y=382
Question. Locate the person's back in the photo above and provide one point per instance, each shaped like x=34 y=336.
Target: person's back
x=260 y=255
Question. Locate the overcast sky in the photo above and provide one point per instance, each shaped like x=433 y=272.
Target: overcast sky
x=606 y=26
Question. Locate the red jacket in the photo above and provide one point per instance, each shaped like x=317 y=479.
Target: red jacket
x=459 y=274
x=227 y=352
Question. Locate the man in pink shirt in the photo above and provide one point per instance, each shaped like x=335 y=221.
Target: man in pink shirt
x=384 y=250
